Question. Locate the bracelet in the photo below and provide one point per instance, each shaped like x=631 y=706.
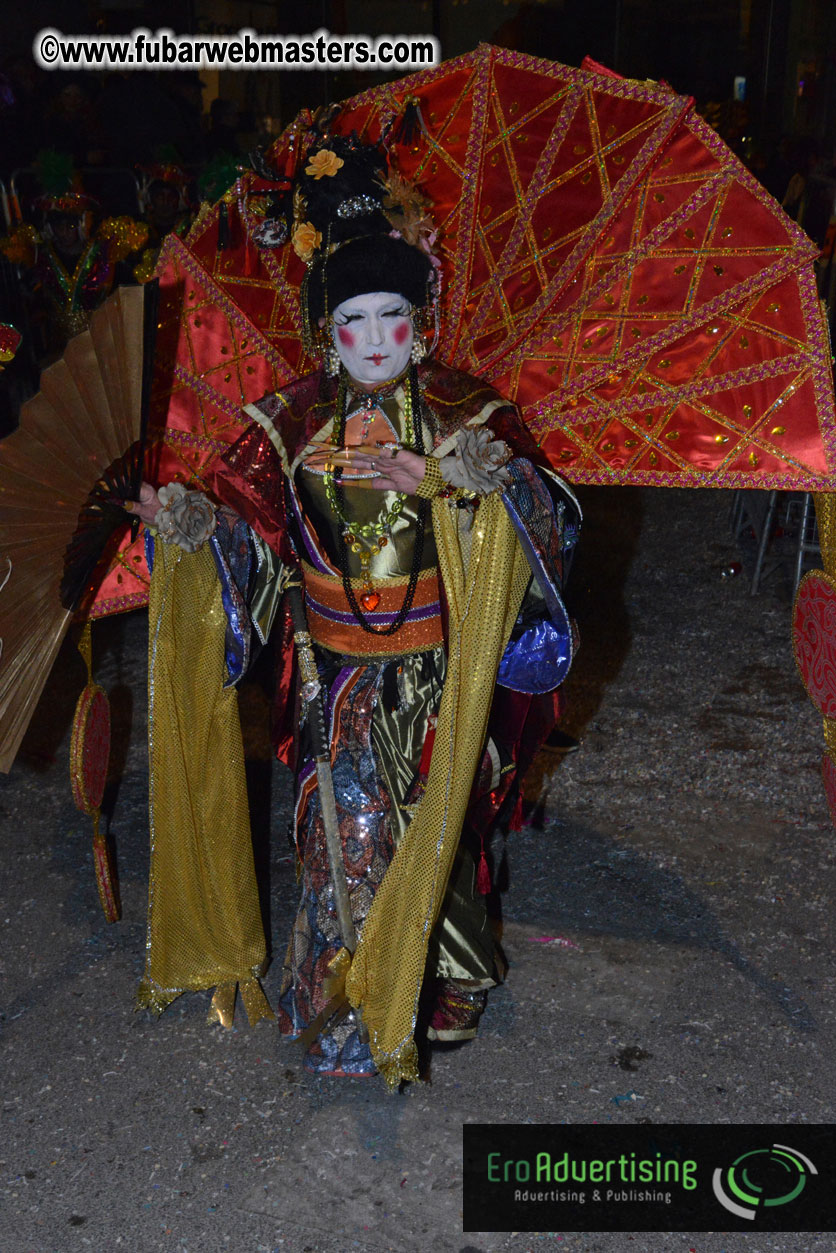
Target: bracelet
x=433 y=481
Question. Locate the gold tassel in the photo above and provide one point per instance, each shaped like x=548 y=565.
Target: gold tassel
x=222 y=1009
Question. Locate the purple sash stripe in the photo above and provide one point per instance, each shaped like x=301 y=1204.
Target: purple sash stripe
x=420 y=614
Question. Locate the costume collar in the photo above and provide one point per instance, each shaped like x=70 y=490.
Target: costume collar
x=373 y=397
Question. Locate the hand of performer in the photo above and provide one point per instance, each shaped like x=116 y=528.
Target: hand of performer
x=148 y=505
x=397 y=469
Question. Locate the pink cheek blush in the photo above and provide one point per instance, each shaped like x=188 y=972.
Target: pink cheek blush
x=401 y=332
x=345 y=337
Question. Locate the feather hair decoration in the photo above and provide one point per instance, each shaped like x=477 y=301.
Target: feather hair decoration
x=406 y=208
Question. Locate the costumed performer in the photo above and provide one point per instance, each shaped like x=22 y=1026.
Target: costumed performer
x=429 y=536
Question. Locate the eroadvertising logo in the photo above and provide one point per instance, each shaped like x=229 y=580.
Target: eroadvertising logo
x=762 y=1177
x=653 y=1177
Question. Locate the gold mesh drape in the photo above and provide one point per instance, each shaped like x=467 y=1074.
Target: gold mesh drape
x=484 y=591
x=204 y=920
x=825 y=503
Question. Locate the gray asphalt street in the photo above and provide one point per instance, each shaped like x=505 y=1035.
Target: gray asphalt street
x=667 y=916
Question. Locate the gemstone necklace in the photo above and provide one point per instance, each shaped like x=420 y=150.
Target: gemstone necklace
x=366 y=539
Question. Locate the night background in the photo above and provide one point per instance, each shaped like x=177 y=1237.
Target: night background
x=785 y=51
x=667 y=906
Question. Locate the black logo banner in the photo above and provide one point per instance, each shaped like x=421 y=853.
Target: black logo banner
x=653 y=1177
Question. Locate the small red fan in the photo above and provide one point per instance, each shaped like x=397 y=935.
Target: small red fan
x=89 y=755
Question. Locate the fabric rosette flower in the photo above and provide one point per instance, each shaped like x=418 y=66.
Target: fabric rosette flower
x=324 y=164
x=478 y=463
x=186 y=518
x=305 y=239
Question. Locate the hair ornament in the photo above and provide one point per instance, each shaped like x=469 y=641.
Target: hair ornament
x=356 y=206
x=324 y=164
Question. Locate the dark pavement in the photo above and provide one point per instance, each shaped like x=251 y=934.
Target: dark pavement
x=667 y=917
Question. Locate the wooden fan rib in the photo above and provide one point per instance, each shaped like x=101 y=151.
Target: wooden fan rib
x=106 y=347
x=27 y=577
x=18 y=662
x=21 y=496
x=40 y=441
x=129 y=321
x=21 y=650
x=37 y=506
x=84 y=432
x=16 y=618
x=38 y=545
x=26 y=556
x=41 y=425
x=19 y=700
x=87 y=428
x=82 y=360
x=35 y=466
x=22 y=637
x=84 y=420
x=17 y=640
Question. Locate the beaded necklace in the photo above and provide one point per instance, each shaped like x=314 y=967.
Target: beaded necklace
x=367 y=538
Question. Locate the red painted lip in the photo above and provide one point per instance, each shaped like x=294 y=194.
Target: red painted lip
x=377 y=358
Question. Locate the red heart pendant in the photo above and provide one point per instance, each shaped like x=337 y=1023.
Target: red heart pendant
x=370 y=601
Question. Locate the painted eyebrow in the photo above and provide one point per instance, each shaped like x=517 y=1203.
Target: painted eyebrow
x=349 y=315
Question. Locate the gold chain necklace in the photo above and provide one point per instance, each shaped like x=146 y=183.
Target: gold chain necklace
x=366 y=538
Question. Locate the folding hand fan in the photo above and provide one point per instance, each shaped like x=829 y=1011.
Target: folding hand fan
x=63 y=473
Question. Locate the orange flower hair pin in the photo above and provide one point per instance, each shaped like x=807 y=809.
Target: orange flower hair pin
x=305 y=239
x=324 y=164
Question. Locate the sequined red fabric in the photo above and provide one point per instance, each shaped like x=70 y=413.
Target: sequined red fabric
x=814 y=639
x=607 y=263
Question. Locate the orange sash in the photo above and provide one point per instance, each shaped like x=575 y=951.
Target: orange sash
x=333 y=625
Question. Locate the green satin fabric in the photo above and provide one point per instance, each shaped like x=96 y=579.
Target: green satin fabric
x=462 y=945
x=367 y=505
x=266 y=587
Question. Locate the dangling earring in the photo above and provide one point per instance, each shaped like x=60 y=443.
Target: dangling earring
x=332 y=360
x=419 y=349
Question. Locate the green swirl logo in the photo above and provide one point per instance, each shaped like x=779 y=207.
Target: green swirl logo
x=761 y=1179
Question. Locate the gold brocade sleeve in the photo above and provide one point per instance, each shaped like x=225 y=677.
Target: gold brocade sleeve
x=484 y=588
x=204 y=921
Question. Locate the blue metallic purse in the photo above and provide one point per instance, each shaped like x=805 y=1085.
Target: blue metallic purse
x=538 y=659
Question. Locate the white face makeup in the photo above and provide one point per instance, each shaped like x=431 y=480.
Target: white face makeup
x=373 y=335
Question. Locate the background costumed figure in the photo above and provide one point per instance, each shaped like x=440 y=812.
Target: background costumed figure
x=164 y=203
x=70 y=265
